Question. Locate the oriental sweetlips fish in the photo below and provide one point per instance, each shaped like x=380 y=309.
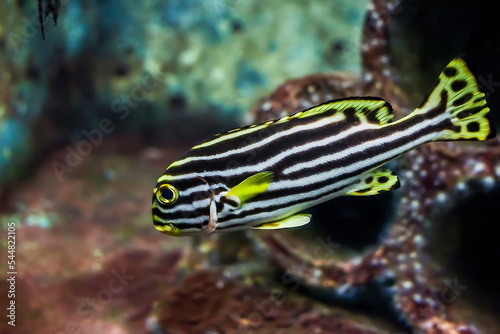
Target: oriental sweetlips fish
x=261 y=176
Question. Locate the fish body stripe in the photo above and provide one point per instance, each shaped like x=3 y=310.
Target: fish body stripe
x=257 y=163
x=324 y=189
x=390 y=133
x=236 y=134
x=231 y=135
x=293 y=195
x=259 y=144
x=267 y=172
x=341 y=133
x=312 y=188
x=246 y=148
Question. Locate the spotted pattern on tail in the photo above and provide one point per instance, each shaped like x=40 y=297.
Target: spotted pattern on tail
x=457 y=94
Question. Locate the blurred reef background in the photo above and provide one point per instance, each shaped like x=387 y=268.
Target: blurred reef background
x=91 y=116
x=182 y=64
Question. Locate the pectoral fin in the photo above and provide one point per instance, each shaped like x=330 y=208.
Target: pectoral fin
x=249 y=188
x=288 y=222
x=377 y=181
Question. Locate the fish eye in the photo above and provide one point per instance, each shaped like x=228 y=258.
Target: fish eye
x=167 y=194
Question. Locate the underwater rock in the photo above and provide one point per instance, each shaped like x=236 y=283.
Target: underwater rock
x=207 y=301
x=92 y=254
x=87 y=255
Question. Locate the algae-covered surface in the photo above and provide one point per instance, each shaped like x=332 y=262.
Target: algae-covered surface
x=91 y=115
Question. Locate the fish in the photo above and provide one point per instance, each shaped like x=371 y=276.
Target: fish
x=263 y=176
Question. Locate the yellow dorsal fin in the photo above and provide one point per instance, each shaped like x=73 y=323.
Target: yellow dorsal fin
x=288 y=222
x=375 y=182
x=371 y=110
x=250 y=187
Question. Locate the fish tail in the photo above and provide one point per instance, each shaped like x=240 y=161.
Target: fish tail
x=457 y=105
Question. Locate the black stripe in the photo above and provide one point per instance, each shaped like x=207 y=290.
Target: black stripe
x=345 y=162
x=270 y=150
x=301 y=191
x=180 y=226
x=256 y=136
x=359 y=156
x=254 y=157
x=270 y=208
x=260 y=154
x=469 y=112
x=366 y=136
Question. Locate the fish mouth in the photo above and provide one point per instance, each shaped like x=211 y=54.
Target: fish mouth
x=166 y=228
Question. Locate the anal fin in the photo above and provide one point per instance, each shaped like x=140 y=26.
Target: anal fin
x=375 y=182
x=288 y=222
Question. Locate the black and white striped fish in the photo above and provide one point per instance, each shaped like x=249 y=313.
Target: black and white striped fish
x=262 y=176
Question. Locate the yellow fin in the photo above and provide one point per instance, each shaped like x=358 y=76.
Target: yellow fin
x=249 y=188
x=457 y=95
x=371 y=110
x=375 y=182
x=288 y=222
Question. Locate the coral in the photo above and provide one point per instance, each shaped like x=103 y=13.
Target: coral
x=432 y=175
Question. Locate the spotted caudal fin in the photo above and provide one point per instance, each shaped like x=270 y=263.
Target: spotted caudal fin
x=458 y=106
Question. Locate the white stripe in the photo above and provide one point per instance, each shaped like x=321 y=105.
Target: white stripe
x=189 y=191
x=364 y=146
x=203 y=203
x=329 y=174
x=277 y=158
x=200 y=204
x=299 y=128
x=201 y=188
x=335 y=172
x=231 y=135
x=329 y=140
x=273 y=215
x=196 y=220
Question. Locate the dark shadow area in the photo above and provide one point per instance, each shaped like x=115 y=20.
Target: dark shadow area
x=425 y=36
x=470 y=243
x=354 y=222
x=372 y=299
